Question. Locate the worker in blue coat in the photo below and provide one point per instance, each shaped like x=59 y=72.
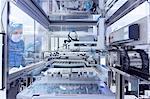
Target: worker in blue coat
x=15 y=46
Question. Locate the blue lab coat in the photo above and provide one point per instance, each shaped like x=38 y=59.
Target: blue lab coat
x=16 y=50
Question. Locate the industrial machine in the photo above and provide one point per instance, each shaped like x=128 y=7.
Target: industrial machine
x=129 y=58
x=67 y=83
x=128 y=54
x=75 y=49
x=132 y=61
x=66 y=77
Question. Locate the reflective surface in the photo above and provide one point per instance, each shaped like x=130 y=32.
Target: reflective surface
x=54 y=85
x=69 y=6
x=63 y=89
x=25 y=41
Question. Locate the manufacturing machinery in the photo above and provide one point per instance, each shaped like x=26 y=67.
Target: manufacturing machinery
x=71 y=83
x=65 y=76
x=77 y=49
x=132 y=61
x=62 y=75
x=128 y=56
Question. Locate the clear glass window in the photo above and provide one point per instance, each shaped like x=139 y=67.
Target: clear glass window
x=27 y=39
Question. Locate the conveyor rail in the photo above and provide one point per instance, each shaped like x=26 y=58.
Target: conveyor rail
x=31 y=69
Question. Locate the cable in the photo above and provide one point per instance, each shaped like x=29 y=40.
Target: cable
x=76 y=36
x=3 y=30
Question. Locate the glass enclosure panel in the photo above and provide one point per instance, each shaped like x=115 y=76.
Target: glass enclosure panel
x=71 y=28
x=21 y=38
x=70 y=17
x=41 y=40
x=27 y=39
x=71 y=7
x=44 y=4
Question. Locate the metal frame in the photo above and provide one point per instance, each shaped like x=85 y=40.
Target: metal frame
x=32 y=69
x=120 y=86
x=120 y=83
x=33 y=10
x=122 y=11
x=73 y=22
x=61 y=61
x=3 y=32
x=2 y=61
